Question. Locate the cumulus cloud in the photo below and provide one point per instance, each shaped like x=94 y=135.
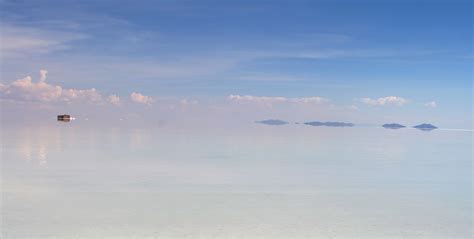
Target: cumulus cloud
x=269 y=100
x=3 y=87
x=142 y=99
x=27 y=90
x=91 y=95
x=388 y=100
x=43 y=74
x=431 y=104
x=113 y=99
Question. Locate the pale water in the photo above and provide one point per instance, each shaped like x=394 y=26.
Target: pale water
x=77 y=181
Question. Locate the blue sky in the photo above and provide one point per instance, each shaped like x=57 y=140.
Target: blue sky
x=362 y=61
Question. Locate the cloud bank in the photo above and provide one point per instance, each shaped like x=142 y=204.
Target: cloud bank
x=27 y=90
x=388 y=100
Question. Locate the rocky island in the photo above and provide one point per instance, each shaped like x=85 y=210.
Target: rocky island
x=426 y=127
x=272 y=122
x=393 y=126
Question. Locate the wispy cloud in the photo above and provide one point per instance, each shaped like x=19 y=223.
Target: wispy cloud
x=20 y=41
x=353 y=107
x=388 y=100
x=309 y=100
x=187 y=102
x=257 y=99
x=270 y=100
x=359 y=53
x=431 y=104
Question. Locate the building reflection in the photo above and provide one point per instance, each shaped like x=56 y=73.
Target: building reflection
x=42 y=155
x=43 y=145
x=34 y=145
x=25 y=151
x=33 y=153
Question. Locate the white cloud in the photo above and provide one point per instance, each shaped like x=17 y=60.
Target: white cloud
x=142 y=99
x=27 y=90
x=388 y=100
x=91 y=95
x=43 y=74
x=256 y=99
x=186 y=102
x=269 y=100
x=3 y=87
x=431 y=104
x=309 y=100
x=113 y=99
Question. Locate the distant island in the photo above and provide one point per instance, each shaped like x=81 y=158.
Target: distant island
x=272 y=122
x=393 y=126
x=426 y=127
x=329 y=124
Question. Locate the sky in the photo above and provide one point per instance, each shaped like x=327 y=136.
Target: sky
x=366 y=62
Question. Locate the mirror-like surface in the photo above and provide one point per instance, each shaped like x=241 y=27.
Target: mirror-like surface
x=293 y=181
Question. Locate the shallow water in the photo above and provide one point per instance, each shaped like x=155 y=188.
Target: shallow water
x=294 y=181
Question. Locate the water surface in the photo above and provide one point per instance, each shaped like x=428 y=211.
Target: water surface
x=293 y=181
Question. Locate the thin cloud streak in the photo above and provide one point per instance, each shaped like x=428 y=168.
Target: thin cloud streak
x=431 y=104
x=20 y=41
x=269 y=100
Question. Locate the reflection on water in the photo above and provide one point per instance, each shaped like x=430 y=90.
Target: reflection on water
x=72 y=181
x=42 y=155
x=424 y=129
x=33 y=149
